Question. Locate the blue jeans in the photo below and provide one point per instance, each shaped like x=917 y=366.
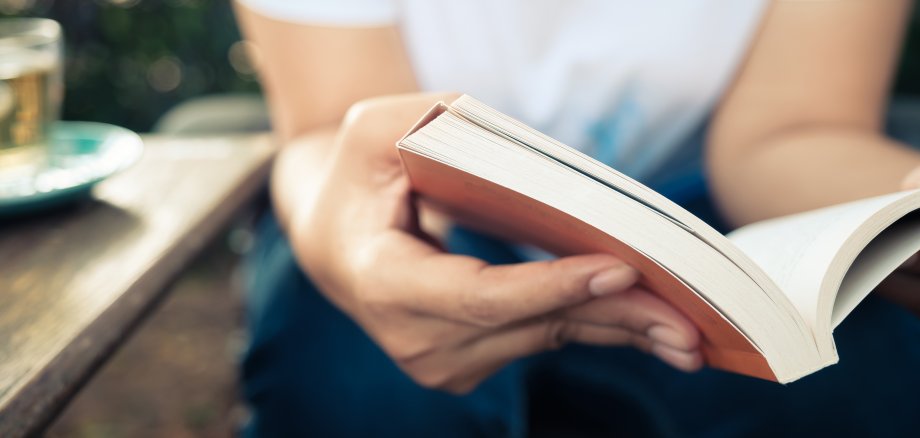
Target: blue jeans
x=311 y=371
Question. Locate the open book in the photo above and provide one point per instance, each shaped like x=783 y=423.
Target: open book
x=765 y=297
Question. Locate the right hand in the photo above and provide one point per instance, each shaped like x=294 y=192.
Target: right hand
x=450 y=321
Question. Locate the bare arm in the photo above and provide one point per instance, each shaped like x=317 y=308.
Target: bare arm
x=801 y=128
x=339 y=190
x=311 y=75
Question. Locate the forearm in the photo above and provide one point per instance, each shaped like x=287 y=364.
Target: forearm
x=806 y=169
x=311 y=75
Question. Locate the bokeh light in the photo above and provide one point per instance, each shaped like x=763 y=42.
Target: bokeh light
x=15 y=6
x=165 y=74
x=242 y=57
x=130 y=61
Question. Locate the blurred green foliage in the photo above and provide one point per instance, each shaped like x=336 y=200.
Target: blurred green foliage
x=907 y=81
x=129 y=61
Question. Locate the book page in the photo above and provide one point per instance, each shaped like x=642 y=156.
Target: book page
x=495 y=121
x=799 y=251
x=499 y=185
x=487 y=207
x=883 y=256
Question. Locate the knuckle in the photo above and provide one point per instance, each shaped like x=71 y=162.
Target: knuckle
x=557 y=333
x=640 y=342
x=616 y=318
x=359 y=111
x=368 y=287
x=405 y=346
x=625 y=311
x=431 y=378
x=377 y=306
x=366 y=258
x=360 y=121
x=461 y=388
x=368 y=110
x=481 y=309
x=396 y=347
x=406 y=350
x=641 y=311
x=571 y=287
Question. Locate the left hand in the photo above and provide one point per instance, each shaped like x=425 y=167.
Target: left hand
x=450 y=321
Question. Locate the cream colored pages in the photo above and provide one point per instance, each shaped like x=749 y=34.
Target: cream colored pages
x=809 y=253
x=484 y=178
x=885 y=254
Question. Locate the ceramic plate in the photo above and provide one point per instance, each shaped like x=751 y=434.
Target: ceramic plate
x=81 y=154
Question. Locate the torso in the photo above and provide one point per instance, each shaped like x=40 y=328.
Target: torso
x=624 y=81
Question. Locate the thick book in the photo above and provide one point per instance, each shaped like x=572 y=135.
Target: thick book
x=765 y=297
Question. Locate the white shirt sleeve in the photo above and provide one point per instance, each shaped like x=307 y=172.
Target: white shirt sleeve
x=328 y=12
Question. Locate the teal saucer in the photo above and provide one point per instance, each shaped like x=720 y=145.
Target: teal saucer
x=81 y=154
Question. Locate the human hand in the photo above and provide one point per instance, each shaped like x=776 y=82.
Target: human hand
x=450 y=321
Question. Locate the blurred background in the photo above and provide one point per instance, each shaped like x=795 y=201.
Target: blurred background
x=129 y=63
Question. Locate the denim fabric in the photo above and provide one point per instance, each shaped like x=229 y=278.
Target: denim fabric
x=311 y=371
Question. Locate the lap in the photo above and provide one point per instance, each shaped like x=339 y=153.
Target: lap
x=873 y=391
x=311 y=371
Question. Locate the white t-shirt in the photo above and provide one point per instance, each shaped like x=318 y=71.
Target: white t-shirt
x=627 y=81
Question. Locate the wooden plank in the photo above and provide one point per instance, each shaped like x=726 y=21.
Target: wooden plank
x=73 y=284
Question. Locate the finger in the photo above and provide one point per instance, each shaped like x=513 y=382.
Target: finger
x=460 y=369
x=544 y=338
x=688 y=361
x=684 y=360
x=912 y=180
x=469 y=290
x=640 y=311
x=365 y=161
x=465 y=383
x=382 y=121
x=465 y=365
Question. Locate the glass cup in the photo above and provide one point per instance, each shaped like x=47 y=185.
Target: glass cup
x=31 y=91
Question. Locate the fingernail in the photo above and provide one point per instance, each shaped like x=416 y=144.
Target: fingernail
x=615 y=279
x=910 y=261
x=662 y=334
x=683 y=360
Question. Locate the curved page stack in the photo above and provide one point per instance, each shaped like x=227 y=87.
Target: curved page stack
x=766 y=297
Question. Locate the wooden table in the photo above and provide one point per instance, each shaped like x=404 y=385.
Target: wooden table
x=74 y=283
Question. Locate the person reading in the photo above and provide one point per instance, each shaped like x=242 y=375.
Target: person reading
x=362 y=323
